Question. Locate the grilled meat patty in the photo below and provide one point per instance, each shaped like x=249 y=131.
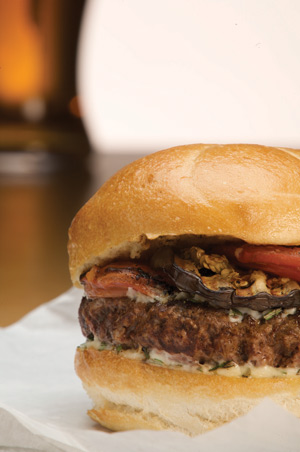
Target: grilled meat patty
x=200 y=333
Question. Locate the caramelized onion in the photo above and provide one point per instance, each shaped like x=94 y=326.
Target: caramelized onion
x=226 y=298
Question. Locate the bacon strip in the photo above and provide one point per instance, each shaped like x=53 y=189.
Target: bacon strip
x=114 y=280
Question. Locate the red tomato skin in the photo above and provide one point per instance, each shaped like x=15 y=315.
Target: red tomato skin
x=276 y=259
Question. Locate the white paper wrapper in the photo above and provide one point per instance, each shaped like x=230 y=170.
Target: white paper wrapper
x=43 y=406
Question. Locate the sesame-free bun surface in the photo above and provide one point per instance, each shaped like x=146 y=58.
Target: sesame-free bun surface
x=131 y=394
x=248 y=192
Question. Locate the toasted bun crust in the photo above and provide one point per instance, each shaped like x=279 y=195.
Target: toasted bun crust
x=248 y=192
x=131 y=394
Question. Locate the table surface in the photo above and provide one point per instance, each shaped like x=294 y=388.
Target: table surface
x=36 y=211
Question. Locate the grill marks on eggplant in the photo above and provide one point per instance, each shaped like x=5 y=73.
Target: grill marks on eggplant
x=202 y=334
x=220 y=284
x=227 y=298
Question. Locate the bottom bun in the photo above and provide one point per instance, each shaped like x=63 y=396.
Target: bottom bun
x=132 y=394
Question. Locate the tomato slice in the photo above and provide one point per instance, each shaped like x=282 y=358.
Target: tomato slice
x=115 y=279
x=280 y=260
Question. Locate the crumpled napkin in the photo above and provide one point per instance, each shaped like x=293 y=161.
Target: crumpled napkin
x=43 y=406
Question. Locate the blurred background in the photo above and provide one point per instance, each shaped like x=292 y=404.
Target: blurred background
x=86 y=86
x=47 y=170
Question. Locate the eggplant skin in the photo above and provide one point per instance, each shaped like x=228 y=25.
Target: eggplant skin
x=226 y=298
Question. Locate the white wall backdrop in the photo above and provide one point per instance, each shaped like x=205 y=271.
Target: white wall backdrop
x=153 y=74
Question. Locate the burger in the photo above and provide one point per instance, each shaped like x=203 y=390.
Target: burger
x=190 y=263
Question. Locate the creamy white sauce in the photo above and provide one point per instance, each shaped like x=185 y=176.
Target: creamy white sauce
x=96 y=344
x=287 y=312
x=237 y=315
x=162 y=358
x=180 y=296
x=139 y=297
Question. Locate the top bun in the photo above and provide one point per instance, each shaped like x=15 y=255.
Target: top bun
x=240 y=191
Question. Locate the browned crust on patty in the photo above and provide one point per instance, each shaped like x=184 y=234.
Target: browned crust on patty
x=203 y=334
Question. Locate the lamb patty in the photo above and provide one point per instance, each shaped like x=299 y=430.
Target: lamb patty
x=200 y=333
